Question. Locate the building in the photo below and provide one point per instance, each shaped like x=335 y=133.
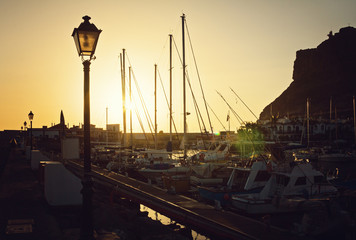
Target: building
x=296 y=130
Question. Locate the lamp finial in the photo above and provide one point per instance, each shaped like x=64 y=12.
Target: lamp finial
x=86 y=18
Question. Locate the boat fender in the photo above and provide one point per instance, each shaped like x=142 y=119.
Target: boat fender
x=226 y=196
x=217 y=205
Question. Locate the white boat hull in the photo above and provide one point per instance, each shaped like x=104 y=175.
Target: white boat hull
x=270 y=206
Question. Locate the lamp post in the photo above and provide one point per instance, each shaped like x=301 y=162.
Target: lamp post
x=86 y=37
x=25 y=135
x=30 y=117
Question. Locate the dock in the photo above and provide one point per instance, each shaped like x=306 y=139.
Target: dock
x=199 y=216
x=25 y=213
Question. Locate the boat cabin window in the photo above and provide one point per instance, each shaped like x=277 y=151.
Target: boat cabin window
x=212 y=146
x=282 y=180
x=262 y=176
x=318 y=179
x=240 y=179
x=301 y=181
x=222 y=147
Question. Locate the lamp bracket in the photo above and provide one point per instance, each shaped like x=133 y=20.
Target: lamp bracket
x=90 y=58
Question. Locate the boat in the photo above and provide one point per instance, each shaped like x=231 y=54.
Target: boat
x=329 y=154
x=310 y=154
x=154 y=172
x=292 y=187
x=242 y=180
x=196 y=173
x=219 y=152
x=152 y=156
x=209 y=174
x=140 y=158
x=176 y=183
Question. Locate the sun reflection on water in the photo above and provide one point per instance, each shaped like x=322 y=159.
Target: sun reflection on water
x=166 y=221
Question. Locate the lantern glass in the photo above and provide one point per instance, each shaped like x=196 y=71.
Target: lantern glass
x=88 y=42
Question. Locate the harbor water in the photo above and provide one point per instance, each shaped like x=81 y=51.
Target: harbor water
x=154 y=215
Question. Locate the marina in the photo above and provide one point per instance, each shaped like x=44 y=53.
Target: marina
x=182 y=156
x=184 y=210
x=217 y=219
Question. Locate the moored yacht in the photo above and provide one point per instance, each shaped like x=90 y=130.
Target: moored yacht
x=218 y=153
x=242 y=180
x=291 y=188
x=329 y=154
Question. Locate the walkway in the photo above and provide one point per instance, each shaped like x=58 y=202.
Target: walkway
x=23 y=211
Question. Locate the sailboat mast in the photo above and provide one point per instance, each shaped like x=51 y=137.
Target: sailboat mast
x=336 y=133
x=184 y=94
x=331 y=109
x=170 y=87
x=107 y=140
x=155 y=106
x=228 y=118
x=308 y=136
x=131 y=134
x=123 y=97
x=353 y=101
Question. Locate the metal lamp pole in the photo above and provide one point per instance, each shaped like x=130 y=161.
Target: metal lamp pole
x=87 y=191
x=85 y=38
x=30 y=117
x=25 y=134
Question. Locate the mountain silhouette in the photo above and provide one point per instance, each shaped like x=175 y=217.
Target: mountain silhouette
x=320 y=74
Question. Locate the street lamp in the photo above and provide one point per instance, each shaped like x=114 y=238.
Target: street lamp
x=30 y=117
x=86 y=37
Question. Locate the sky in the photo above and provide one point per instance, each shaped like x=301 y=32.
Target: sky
x=247 y=46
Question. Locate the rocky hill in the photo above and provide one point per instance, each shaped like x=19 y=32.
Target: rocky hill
x=322 y=73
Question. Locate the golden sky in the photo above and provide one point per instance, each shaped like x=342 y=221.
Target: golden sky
x=249 y=46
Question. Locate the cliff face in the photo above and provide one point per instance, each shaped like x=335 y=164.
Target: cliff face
x=328 y=71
